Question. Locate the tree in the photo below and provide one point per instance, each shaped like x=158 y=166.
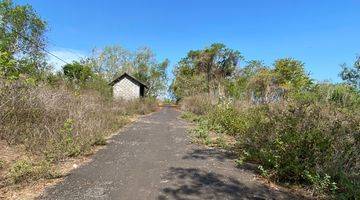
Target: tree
x=216 y=62
x=147 y=69
x=112 y=61
x=21 y=39
x=352 y=75
x=290 y=74
x=109 y=62
x=240 y=84
x=77 y=72
x=186 y=82
x=211 y=66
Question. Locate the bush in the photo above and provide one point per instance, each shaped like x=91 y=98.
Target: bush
x=21 y=170
x=311 y=138
x=303 y=143
x=25 y=171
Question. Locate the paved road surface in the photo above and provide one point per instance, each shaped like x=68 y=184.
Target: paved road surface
x=153 y=159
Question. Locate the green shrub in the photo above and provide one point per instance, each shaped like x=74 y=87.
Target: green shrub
x=25 y=171
x=220 y=142
x=226 y=117
x=298 y=141
x=191 y=116
x=311 y=138
x=201 y=132
x=21 y=170
x=2 y=163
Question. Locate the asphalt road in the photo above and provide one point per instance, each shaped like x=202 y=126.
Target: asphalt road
x=153 y=159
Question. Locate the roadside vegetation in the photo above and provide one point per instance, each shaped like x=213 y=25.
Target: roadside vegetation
x=298 y=131
x=49 y=115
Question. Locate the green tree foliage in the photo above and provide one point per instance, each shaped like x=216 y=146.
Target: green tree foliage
x=210 y=66
x=112 y=61
x=147 y=69
x=290 y=74
x=215 y=70
x=352 y=75
x=243 y=80
x=77 y=72
x=21 y=40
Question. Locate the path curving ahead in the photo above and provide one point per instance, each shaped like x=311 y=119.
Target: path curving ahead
x=153 y=159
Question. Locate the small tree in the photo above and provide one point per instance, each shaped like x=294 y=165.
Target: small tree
x=290 y=74
x=351 y=75
x=77 y=72
x=22 y=41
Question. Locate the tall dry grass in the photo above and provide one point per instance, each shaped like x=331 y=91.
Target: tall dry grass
x=55 y=122
x=198 y=104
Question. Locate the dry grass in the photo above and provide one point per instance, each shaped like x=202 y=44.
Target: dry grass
x=51 y=124
x=198 y=104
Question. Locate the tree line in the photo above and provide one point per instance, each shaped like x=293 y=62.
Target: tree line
x=215 y=70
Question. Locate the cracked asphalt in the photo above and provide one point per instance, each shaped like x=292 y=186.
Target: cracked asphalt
x=154 y=159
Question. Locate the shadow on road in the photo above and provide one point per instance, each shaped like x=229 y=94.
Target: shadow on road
x=198 y=183
x=193 y=183
x=206 y=154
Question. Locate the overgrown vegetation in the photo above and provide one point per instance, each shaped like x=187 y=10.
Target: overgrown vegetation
x=57 y=115
x=297 y=131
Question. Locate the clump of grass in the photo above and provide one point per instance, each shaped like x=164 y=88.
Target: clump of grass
x=190 y=116
x=24 y=171
x=220 y=142
x=2 y=163
x=21 y=170
x=99 y=140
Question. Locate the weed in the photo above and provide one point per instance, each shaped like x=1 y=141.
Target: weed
x=21 y=170
x=239 y=162
x=263 y=171
x=99 y=140
x=2 y=163
x=220 y=142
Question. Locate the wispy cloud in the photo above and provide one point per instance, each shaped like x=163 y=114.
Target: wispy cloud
x=65 y=54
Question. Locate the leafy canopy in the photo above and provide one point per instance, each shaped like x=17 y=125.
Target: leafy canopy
x=112 y=61
x=204 y=70
x=77 y=72
x=21 y=41
x=352 y=75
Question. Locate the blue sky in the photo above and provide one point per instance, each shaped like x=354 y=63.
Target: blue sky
x=323 y=34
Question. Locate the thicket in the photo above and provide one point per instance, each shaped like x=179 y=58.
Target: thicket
x=297 y=131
